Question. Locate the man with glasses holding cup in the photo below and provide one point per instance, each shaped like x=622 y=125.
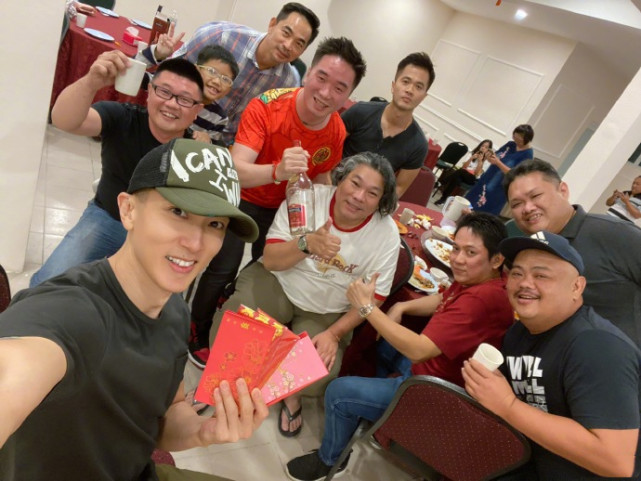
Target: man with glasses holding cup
x=127 y=133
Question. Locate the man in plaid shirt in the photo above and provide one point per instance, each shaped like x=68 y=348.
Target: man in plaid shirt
x=264 y=58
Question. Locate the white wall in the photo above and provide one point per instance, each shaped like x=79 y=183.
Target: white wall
x=383 y=31
x=490 y=77
x=25 y=89
x=580 y=97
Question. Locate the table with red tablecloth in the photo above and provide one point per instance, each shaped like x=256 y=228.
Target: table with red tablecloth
x=433 y=151
x=79 y=50
x=360 y=357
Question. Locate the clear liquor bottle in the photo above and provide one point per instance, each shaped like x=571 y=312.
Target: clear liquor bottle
x=300 y=203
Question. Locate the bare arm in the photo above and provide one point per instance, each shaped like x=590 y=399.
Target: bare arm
x=606 y=452
x=72 y=111
x=182 y=428
x=326 y=342
x=29 y=369
x=404 y=178
x=250 y=174
x=416 y=347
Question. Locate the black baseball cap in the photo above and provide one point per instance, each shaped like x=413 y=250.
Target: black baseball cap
x=197 y=177
x=543 y=241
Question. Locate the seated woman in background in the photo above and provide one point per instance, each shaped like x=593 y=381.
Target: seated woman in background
x=487 y=194
x=468 y=173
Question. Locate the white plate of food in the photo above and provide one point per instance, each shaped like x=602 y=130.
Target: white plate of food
x=439 y=250
x=421 y=278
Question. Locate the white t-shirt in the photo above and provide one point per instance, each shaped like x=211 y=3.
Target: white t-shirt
x=319 y=286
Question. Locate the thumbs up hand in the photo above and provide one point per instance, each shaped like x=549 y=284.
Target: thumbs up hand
x=322 y=243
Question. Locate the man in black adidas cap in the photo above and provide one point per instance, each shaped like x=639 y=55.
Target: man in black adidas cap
x=91 y=362
x=572 y=377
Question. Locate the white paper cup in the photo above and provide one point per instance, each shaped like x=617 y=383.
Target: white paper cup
x=129 y=82
x=81 y=20
x=489 y=356
x=406 y=216
x=439 y=276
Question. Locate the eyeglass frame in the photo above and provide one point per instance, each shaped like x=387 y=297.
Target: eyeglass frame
x=179 y=98
x=212 y=72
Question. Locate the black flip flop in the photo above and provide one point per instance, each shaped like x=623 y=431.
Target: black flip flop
x=290 y=417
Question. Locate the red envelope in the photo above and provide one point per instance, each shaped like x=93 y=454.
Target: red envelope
x=299 y=369
x=250 y=345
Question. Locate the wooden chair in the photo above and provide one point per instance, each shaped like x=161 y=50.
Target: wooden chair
x=441 y=432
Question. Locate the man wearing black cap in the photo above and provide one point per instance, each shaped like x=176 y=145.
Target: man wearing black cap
x=91 y=362
x=572 y=376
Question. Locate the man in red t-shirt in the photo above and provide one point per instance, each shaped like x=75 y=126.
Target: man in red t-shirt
x=473 y=310
x=282 y=132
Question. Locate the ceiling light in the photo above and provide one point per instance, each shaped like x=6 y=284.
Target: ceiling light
x=520 y=14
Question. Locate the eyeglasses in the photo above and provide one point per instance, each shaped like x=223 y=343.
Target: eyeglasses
x=212 y=72
x=167 y=94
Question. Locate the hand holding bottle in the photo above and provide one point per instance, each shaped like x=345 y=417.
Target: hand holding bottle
x=294 y=161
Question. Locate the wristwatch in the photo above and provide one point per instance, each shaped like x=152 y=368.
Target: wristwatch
x=302 y=244
x=365 y=310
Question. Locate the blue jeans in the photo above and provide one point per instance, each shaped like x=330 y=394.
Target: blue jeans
x=96 y=235
x=350 y=398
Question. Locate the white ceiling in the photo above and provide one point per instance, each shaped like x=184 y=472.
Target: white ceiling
x=610 y=29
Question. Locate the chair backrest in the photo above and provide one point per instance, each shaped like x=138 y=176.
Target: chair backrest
x=453 y=152
x=5 y=290
x=438 y=423
x=420 y=189
x=404 y=267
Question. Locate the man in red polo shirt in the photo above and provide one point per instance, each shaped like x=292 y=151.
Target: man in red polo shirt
x=265 y=156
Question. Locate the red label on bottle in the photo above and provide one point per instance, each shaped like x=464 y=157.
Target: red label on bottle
x=296 y=214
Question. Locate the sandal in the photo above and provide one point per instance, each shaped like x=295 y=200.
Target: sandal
x=290 y=417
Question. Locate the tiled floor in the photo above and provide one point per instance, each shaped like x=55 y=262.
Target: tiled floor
x=70 y=164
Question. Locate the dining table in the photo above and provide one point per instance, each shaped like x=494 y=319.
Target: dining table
x=360 y=356
x=79 y=50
